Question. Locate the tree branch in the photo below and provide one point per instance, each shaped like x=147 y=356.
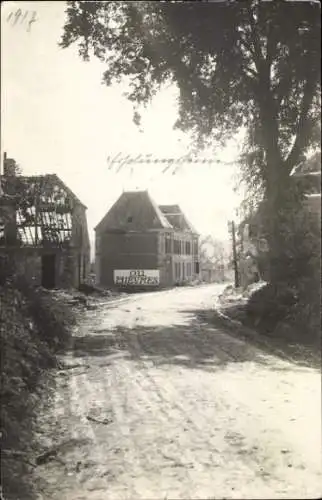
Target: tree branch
x=271 y=44
x=281 y=88
x=251 y=71
x=302 y=135
x=258 y=55
x=247 y=46
x=178 y=67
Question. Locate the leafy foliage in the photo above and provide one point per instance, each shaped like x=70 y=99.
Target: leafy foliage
x=296 y=299
x=235 y=63
x=251 y=64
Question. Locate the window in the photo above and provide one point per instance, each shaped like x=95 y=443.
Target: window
x=80 y=235
x=84 y=268
x=252 y=231
x=188 y=248
x=161 y=243
x=197 y=267
x=168 y=244
x=176 y=247
x=130 y=219
x=189 y=269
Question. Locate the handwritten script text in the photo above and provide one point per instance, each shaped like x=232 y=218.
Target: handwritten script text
x=25 y=17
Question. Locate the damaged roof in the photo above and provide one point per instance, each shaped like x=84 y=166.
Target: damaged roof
x=177 y=219
x=43 y=206
x=47 y=184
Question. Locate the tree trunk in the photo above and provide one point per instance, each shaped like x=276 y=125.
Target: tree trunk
x=275 y=244
x=276 y=178
x=282 y=204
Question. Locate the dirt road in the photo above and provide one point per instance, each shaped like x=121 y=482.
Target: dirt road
x=161 y=405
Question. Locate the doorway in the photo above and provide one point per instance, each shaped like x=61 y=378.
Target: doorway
x=48 y=271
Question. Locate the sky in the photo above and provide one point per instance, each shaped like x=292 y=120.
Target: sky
x=58 y=117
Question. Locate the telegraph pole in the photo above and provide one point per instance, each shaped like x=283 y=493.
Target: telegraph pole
x=231 y=226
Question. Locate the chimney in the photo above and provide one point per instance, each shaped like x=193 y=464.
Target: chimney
x=9 y=166
x=8 y=204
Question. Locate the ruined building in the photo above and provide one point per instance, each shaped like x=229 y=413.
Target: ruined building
x=43 y=229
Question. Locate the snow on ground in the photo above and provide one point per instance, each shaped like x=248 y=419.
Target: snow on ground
x=164 y=405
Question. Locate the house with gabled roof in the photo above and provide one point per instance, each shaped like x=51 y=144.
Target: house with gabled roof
x=139 y=244
x=43 y=229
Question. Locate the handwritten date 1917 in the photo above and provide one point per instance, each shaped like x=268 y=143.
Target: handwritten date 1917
x=25 y=17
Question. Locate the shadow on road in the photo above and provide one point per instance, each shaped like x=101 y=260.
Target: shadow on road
x=204 y=344
x=293 y=351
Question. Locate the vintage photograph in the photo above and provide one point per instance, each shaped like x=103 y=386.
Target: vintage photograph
x=160 y=250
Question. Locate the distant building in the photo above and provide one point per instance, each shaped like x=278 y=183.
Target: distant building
x=141 y=244
x=213 y=272
x=210 y=273
x=43 y=229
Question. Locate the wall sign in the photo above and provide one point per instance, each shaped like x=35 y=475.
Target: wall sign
x=136 y=277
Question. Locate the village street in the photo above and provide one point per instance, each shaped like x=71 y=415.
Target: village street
x=158 y=404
